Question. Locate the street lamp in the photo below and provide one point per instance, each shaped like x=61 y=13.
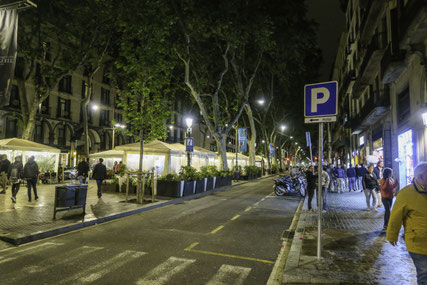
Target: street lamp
x=95 y=107
x=189 y=122
x=171 y=127
x=260 y=102
x=114 y=131
x=282 y=128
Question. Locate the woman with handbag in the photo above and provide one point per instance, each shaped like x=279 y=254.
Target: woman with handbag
x=388 y=189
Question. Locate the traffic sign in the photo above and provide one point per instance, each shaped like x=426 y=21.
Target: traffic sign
x=321 y=99
x=316 y=120
x=189 y=143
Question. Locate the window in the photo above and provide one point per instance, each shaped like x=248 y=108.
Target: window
x=38 y=133
x=14 y=101
x=118 y=118
x=64 y=108
x=61 y=135
x=105 y=96
x=65 y=84
x=104 y=118
x=11 y=128
x=44 y=107
x=403 y=105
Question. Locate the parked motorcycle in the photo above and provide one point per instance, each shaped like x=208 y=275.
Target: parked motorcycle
x=288 y=185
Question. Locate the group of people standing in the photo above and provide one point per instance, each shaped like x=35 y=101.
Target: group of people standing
x=99 y=173
x=15 y=173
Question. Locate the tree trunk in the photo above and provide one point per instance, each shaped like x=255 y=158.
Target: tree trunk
x=222 y=152
x=85 y=103
x=251 y=140
x=28 y=132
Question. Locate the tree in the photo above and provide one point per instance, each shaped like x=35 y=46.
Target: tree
x=143 y=72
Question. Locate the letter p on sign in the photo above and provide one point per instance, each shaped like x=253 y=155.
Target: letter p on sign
x=320 y=99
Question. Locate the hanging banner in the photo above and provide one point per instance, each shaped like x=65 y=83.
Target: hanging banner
x=272 y=150
x=243 y=136
x=8 y=51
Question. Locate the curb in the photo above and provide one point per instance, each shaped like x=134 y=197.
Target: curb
x=18 y=239
x=276 y=275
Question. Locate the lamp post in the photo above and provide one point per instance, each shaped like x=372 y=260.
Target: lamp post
x=114 y=132
x=189 y=122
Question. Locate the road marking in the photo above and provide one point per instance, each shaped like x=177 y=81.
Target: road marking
x=105 y=267
x=193 y=245
x=15 y=254
x=190 y=248
x=162 y=273
x=228 y=274
x=235 y=217
x=248 y=209
x=217 y=229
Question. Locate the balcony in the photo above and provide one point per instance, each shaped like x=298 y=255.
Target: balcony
x=392 y=65
x=413 y=22
x=374 y=11
x=347 y=82
x=374 y=109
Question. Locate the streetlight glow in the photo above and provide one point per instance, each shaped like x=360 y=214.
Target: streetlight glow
x=282 y=127
x=263 y=141
x=170 y=127
x=122 y=126
x=117 y=125
x=260 y=101
x=292 y=137
x=425 y=118
x=189 y=122
x=95 y=107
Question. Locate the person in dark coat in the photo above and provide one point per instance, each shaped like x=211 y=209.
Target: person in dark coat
x=370 y=186
x=15 y=174
x=82 y=171
x=4 y=168
x=351 y=175
x=31 y=173
x=311 y=185
x=99 y=174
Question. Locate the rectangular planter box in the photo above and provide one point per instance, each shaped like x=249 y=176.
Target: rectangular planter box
x=244 y=177
x=236 y=175
x=189 y=188
x=209 y=183
x=170 y=188
x=108 y=188
x=228 y=180
x=218 y=183
x=200 y=186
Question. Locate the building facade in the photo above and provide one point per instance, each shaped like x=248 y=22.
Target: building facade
x=381 y=70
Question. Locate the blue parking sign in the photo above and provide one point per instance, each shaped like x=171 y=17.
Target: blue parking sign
x=189 y=143
x=320 y=99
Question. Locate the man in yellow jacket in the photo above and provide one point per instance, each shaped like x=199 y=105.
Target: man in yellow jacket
x=410 y=209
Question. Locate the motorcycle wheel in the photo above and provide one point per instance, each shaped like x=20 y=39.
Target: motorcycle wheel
x=302 y=191
x=279 y=190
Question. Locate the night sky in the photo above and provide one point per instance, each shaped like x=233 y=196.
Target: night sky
x=331 y=22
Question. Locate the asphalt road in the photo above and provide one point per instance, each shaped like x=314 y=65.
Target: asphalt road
x=229 y=237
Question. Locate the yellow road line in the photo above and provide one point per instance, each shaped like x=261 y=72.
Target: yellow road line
x=235 y=217
x=232 y=256
x=217 y=229
x=193 y=245
x=248 y=209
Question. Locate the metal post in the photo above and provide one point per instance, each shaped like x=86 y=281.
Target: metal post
x=237 y=148
x=319 y=193
x=127 y=186
x=114 y=134
x=188 y=153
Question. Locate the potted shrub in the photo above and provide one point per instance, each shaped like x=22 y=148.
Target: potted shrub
x=200 y=182
x=188 y=175
x=209 y=179
x=214 y=173
x=170 y=185
x=246 y=173
x=274 y=168
x=236 y=172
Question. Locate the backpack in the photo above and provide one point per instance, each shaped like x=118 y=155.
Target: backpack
x=14 y=174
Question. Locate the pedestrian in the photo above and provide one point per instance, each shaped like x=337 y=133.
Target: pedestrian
x=99 y=174
x=388 y=188
x=370 y=185
x=114 y=167
x=31 y=172
x=346 y=178
x=325 y=184
x=351 y=175
x=82 y=171
x=15 y=174
x=378 y=170
x=4 y=168
x=340 y=175
x=330 y=170
x=362 y=172
x=411 y=211
x=119 y=167
x=311 y=185
x=358 y=178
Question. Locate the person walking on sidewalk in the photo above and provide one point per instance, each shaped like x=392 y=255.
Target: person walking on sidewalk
x=326 y=180
x=330 y=170
x=31 y=173
x=361 y=171
x=99 y=174
x=388 y=186
x=340 y=175
x=82 y=171
x=370 y=185
x=351 y=175
x=311 y=185
x=15 y=174
x=410 y=210
x=4 y=168
x=378 y=170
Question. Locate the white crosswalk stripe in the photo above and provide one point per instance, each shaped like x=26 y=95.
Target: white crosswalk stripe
x=229 y=274
x=12 y=255
x=165 y=271
x=99 y=270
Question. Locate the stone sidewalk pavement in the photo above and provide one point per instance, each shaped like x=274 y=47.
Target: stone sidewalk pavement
x=354 y=249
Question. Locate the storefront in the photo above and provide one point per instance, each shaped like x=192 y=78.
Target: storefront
x=378 y=149
x=406 y=157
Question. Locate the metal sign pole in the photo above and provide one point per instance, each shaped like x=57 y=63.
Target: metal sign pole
x=319 y=193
